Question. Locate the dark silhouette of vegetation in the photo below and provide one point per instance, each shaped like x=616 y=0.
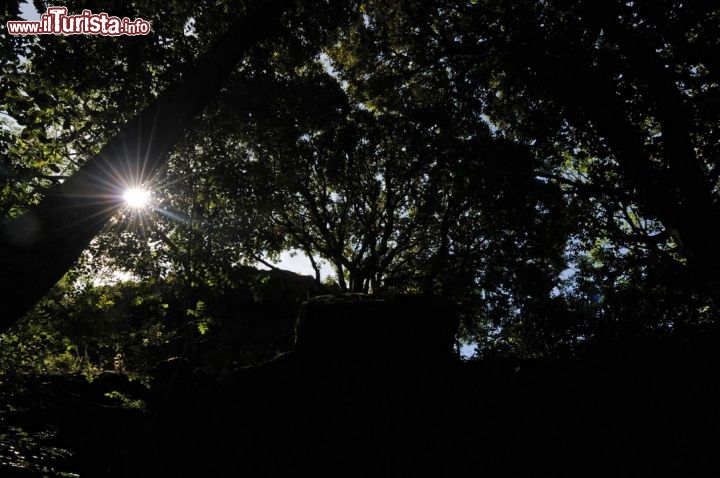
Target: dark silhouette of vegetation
x=536 y=181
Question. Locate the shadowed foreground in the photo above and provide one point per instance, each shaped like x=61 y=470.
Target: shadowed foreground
x=359 y=398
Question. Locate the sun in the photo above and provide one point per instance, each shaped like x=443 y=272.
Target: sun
x=136 y=198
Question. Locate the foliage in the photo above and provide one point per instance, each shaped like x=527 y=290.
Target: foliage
x=130 y=328
x=543 y=164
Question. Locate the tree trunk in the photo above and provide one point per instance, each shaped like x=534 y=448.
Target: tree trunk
x=41 y=245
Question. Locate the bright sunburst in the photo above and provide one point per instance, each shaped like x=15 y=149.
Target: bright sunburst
x=136 y=198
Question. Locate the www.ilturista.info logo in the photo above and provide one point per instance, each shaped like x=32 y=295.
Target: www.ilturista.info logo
x=57 y=22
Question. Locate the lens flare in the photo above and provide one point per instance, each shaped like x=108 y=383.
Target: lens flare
x=136 y=198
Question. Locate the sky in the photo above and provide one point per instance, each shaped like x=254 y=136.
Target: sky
x=28 y=12
x=296 y=261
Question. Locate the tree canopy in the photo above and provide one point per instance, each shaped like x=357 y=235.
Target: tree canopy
x=550 y=166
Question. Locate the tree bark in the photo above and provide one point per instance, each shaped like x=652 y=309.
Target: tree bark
x=40 y=246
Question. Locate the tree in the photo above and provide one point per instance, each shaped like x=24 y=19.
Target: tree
x=625 y=72
x=540 y=162
x=39 y=246
x=599 y=119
